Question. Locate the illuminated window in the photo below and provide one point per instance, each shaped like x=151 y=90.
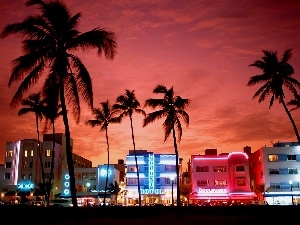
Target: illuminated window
x=240 y=168
x=31 y=153
x=202 y=183
x=23 y=176
x=219 y=168
x=25 y=153
x=29 y=176
x=241 y=182
x=132 y=181
x=273 y=158
x=131 y=169
x=93 y=176
x=170 y=168
x=220 y=182
x=48 y=153
x=24 y=164
x=9 y=153
x=202 y=169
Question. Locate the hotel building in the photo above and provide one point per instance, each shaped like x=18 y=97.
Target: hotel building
x=277 y=170
x=22 y=167
x=157 y=173
x=220 y=179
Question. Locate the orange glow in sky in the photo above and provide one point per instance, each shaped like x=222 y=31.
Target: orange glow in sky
x=202 y=48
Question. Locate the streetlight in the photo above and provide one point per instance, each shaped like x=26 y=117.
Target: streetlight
x=172 y=180
x=88 y=192
x=291 y=184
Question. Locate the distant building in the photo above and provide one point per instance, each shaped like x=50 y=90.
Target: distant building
x=277 y=169
x=220 y=179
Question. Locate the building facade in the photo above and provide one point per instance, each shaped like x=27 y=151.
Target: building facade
x=23 y=166
x=220 y=179
x=157 y=173
x=275 y=173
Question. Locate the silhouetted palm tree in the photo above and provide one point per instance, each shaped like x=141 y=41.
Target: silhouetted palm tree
x=115 y=190
x=52 y=112
x=171 y=107
x=295 y=102
x=127 y=104
x=36 y=105
x=50 y=40
x=275 y=75
x=103 y=117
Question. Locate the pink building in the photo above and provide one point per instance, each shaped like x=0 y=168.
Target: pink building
x=220 y=179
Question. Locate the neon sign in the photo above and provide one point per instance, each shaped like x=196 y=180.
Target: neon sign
x=152 y=191
x=103 y=172
x=151 y=172
x=211 y=190
x=67 y=184
x=25 y=186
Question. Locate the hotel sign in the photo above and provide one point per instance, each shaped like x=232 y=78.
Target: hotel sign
x=212 y=191
x=151 y=171
x=152 y=191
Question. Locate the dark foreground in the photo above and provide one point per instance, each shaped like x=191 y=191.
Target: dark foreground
x=224 y=215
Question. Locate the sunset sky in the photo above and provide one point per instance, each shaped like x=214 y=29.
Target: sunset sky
x=202 y=48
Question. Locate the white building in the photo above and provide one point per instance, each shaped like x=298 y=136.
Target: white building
x=278 y=169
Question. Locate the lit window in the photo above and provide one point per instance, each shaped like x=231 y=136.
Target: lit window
x=273 y=158
x=241 y=182
x=25 y=153
x=202 y=182
x=31 y=153
x=48 y=152
x=220 y=182
x=219 y=168
x=9 y=153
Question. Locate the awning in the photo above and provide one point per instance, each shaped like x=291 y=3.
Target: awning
x=23 y=193
x=10 y=193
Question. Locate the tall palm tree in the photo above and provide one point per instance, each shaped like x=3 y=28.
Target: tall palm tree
x=52 y=112
x=171 y=107
x=275 y=75
x=103 y=117
x=295 y=102
x=33 y=103
x=127 y=104
x=50 y=41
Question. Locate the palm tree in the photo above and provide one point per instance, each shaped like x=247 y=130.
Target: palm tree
x=275 y=75
x=115 y=189
x=295 y=102
x=127 y=104
x=171 y=107
x=103 y=117
x=52 y=112
x=50 y=40
x=35 y=104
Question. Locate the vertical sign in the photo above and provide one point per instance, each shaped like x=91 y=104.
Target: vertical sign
x=151 y=171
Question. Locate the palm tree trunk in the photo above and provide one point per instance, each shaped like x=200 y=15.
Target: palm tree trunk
x=68 y=145
x=136 y=164
x=291 y=119
x=106 y=181
x=177 y=168
x=40 y=155
x=52 y=163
